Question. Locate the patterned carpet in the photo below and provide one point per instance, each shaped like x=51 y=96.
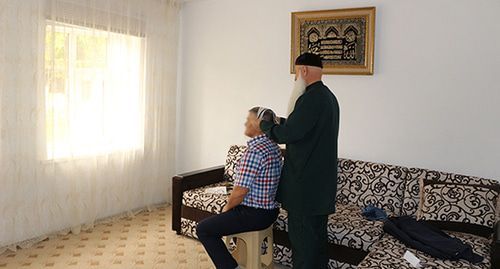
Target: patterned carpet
x=145 y=241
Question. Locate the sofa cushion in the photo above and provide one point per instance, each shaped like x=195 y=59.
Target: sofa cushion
x=364 y=183
x=233 y=156
x=388 y=253
x=200 y=199
x=188 y=227
x=459 y=205
x=210 y=202
x=346 y=227
x=411 y=198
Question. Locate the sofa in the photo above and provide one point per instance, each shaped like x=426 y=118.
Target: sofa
x=355 y=242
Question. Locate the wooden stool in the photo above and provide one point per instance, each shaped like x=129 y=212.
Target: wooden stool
x=248 y=249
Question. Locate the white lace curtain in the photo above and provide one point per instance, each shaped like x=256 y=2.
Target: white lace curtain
x=87 y=112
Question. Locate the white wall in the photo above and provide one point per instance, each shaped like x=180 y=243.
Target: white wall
x=433 y=102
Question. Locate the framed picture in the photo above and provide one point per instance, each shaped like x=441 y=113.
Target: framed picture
x=344 y=38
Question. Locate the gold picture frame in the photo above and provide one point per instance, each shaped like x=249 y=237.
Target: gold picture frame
x=344 y=38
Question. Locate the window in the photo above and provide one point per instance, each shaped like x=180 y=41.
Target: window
x=94 y=96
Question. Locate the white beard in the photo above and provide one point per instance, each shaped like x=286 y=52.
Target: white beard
x=298 y=89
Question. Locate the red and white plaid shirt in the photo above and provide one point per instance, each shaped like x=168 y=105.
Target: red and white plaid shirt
x=259 y=170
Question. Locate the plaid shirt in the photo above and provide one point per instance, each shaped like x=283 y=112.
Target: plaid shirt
x=259 y=171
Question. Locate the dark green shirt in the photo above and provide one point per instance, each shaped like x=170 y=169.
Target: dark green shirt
x=308 y=183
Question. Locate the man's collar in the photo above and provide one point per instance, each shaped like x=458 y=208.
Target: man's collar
x=255 y=140
x=319 y=82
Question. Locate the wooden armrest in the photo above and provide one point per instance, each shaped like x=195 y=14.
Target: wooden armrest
x=189 y=181
x=199 y=178
x=495 y=247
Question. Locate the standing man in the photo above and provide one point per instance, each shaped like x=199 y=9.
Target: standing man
x=308 y=183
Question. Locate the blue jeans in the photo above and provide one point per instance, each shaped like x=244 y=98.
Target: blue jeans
x=237 y=220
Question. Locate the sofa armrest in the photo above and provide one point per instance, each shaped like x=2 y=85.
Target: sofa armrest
x=189 y=181
x=495 y=247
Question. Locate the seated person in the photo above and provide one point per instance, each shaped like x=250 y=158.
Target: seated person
x=251 y=205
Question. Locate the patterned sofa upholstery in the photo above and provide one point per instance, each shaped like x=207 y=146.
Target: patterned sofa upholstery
x=388 y=252
x=350 y=236
x=354 y=242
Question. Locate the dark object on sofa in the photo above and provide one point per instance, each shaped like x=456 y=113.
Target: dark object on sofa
x=429 y=239
x=374 y=213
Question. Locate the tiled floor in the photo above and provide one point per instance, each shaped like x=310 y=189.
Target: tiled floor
x=145 y=241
